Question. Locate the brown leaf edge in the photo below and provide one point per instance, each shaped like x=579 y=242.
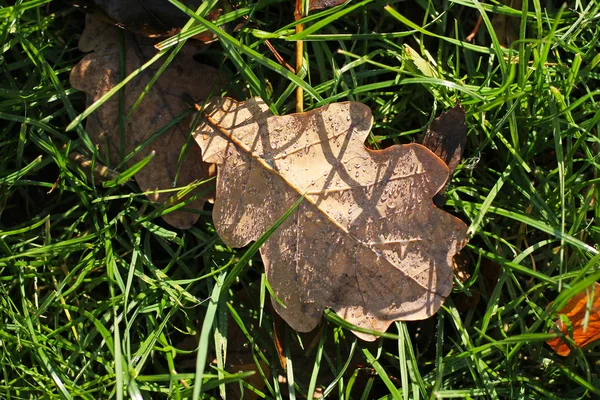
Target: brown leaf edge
x=575 y=311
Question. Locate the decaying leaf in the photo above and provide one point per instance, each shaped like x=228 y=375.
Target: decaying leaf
x=366 y=240
x=321 y=4
x=447 y=136
x=576 y=310
x=152 y=18
x=506 y=27
x=98 y=72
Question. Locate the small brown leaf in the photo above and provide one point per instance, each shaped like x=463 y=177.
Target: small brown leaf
x=366 y=241
x=447 y=136
x=98 y=72
x=321 y=4
x=151 y=18
x=575 y=310
x=506 y=27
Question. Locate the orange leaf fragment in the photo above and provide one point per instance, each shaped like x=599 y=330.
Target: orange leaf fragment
x=575 y=310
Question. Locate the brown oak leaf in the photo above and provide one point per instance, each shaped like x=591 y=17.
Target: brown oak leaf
x=366 y=240
x=98 y=73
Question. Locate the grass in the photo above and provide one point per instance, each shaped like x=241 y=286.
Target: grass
x=96 y=305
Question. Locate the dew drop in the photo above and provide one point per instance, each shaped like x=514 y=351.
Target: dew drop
x=402 y=252
x=357 y=166
x=273 y=144
x=356 y=174
x=330 y=118
x=347 y=118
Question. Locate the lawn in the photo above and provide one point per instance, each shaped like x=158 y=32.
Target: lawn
x=101 y=298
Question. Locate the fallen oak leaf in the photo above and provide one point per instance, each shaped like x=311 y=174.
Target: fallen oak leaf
x=366 y=240
x=575 y=311
x=98 y=72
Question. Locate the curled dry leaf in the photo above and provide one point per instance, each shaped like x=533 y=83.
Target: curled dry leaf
x=576 y=310
x=446 y=137
x=366 y=240
x=98 y=72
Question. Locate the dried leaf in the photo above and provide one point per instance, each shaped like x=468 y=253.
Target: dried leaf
x=152 y=18
x=366 y=241
x=321 y=4
x=446 y=137
x=576 y=310
x=98 y=72
x=506 y=27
